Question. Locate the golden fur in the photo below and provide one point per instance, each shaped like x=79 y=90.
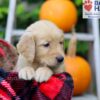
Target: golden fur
x=35 y=59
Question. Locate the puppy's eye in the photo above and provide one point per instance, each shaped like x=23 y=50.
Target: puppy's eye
x=61 y=42
x=46 y=45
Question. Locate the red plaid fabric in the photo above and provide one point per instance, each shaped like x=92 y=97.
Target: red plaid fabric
x=8 y=55
x=58 y=87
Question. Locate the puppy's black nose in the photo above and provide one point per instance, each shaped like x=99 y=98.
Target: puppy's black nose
x=60 y=59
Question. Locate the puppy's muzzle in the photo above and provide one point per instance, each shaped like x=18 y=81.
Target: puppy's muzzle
x=60 y=59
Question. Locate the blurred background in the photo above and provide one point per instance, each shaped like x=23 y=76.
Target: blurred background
x=27 y=12
x=87 y=48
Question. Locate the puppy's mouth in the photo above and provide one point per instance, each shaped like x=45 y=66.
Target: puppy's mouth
x=51 y=64
x=54 y=66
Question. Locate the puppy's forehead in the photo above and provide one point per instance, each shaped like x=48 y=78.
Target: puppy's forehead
x=50 y=35
x=45 y=29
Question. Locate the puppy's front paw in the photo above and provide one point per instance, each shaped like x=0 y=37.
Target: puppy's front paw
x=43 y=74
x=26 y=73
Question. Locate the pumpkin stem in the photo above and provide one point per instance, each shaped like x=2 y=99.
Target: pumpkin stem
x=72 y=44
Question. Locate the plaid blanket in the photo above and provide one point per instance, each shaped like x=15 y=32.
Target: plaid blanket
x=8 y=55
x=58 y=87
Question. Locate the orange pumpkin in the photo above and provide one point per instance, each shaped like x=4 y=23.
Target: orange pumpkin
x=62 y=12
x=78 y=68
x=80 y=71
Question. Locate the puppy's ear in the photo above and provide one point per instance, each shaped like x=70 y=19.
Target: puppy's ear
x=26 y=47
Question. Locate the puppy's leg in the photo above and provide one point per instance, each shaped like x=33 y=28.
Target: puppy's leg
x=43 y=74
x=26 y=73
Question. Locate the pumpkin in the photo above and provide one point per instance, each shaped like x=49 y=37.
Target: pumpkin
x=62 y=12
x=78 y=68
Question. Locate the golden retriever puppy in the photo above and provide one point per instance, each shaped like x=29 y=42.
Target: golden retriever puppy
x=41 y=52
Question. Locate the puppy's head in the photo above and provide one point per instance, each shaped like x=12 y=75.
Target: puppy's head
x=43 y=42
